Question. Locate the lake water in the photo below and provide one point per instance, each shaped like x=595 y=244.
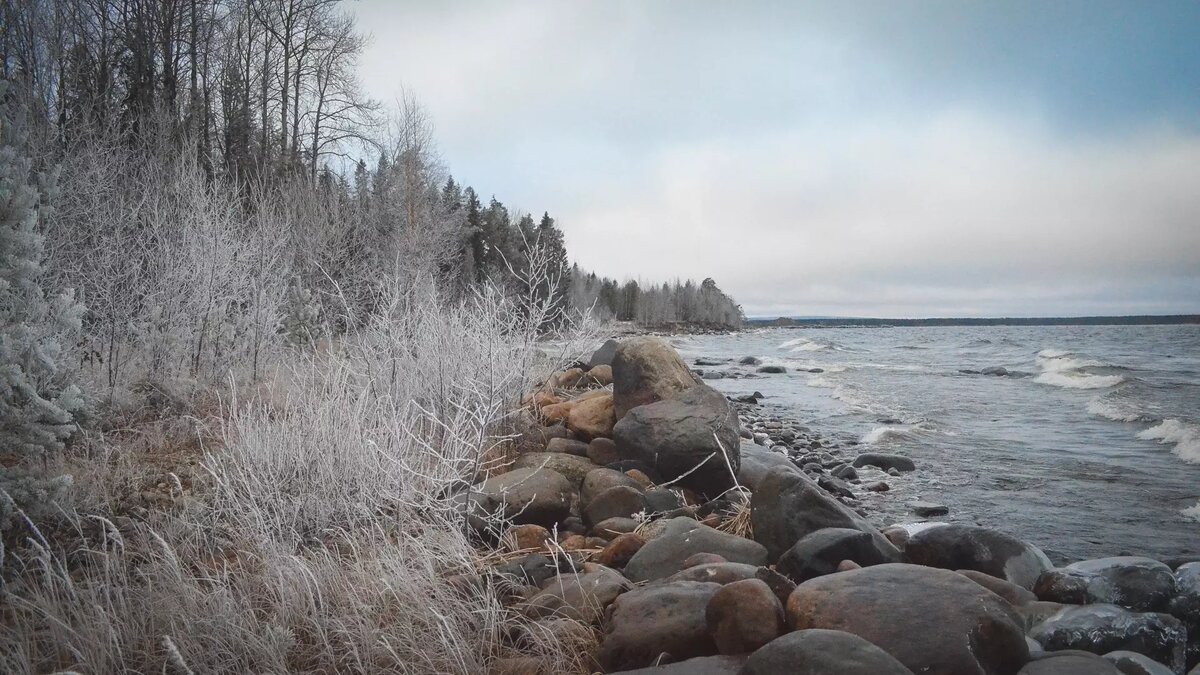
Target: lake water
x=1088 y=447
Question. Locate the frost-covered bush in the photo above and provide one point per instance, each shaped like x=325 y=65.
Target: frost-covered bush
x=37 y=403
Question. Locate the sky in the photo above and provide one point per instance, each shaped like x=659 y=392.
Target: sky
x=887 y=159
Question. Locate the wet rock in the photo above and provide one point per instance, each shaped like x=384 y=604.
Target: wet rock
x=822 y=652
x=680 y=538
x=538 y=496
x=649 y=621
x=1133 y=582
x=884 y=462
x=743 y=616
x=749 y=361
x=835 y=487
x=771 y=370
x=567 y=446
x=877 y=486
x=717 y=573
x=820 y=552
x=981 y=549
x=604 y=355
x=647 y=370
x=1068 y=663
x=620 y=501
x=696 y=428
x=1186 y=603
x=579 y=597
x=600 y=479
x=572 y=467
x=619 y=551
x=1011 y=592
x=788 y=506
x=845 y=472
x=929 y=509
x=933 y=621
x=1132 y=663
x=1100 y=629
x=593 y=417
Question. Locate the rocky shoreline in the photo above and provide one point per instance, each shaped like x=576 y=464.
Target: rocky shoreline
x=677 y=531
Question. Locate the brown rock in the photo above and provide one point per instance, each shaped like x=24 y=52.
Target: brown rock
x=780 y=585
x=593 y=417
x=717 y=573
x=934 y=621
x=571 y=467
x=640 y=477
x=645 y=370
x=620 y=501
x=848 y=565
x=1011 y=592
x=743 y=616
x=573 y=542
x=601 y=375
x=619 y=550
x=568 y=378
x=649 y=621
x=567 y=446
x=711 y=520
x=557 y=412
x=701 y=559
x=527 y=536
x=542 y=399
x=600 y=479
x=603 y=451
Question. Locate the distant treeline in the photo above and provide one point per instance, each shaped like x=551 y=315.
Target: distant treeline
x=650 y=304
x=1140 y=320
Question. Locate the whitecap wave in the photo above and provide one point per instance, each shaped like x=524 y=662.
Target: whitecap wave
x=1112 y=410
x=809 y=347
x=820 y=382
x=1192 y=512
x=889 y=432
x=1053 y=353
x=1184 y=435
x=793 y=342
x=1077 y=380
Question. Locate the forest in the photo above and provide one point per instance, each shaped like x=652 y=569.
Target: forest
x=253 y=333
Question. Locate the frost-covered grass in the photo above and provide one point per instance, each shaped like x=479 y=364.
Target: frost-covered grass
x=319 y=535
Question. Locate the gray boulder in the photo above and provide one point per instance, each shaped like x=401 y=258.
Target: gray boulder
x=757 y=462
x=682 y=537
x=1133 y=582
x=819 y=553
x=701 y=665
x=967 y=547
x=1132 y=663
x=665 y=618
x=620 y=501
x=1186 y=603
x=646 y=370
x=884 y=461
x=573 y=468
x=692 y=437
x=822 y=652
x=604 y=355
x=1070 y=662
x=788 y=506
x=538 y=496
x=1101 y=629
x=579 y=597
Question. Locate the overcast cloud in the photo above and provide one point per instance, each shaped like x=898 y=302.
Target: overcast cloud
x=879 y=159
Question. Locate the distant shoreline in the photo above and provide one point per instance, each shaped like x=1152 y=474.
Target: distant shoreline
x=1141 y=320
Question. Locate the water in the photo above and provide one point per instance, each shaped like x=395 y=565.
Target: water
x=1088 y=447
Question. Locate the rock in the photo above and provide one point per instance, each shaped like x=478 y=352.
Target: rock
x=621 y=501
x=835 y=486
x=696 y=428
x=557 y=412
x=567 y=446
x=619 y=551
x=787 y=506
x=568 y=378
x=710 y=362
x=601 y=375
x=877 y=486
x=819 y=553
x=603 y=451
x=600 y=479
x=663 y=555
x=845 y=472
x=1100 y=629
x=743 y=616
x=569 y=466
x=532 y=569
x=884 y=462
x=1186 y=603
x=647 y=370
x=771 y=370
x=1014 y=594
x=717 y=573
x=610 y=528
x=626 y=466
x=749 y=361
x=641 y=478
x=1132 y=663
x=1068 y=663
x=574 y=542
x=822 y=652
x=701 y=665
x=780 y=585
x=662 y=500
x=579 y=597
x=757 y=461
x=968 y=547
x=929 y=509
x=649 y=621
x=604 y=355
x=517 y=665
x=1133 y=582
x=702 y=559
x=538 y=496
x=593 y=417
x=527 y=536
x=933 y=621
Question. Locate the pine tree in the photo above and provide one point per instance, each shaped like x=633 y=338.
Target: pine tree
x=37 y=404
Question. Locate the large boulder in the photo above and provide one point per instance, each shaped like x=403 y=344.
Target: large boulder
x=1186 y=604
x=819 y=553
x=593 y=417
x=579 y=597
x=692 y=437
x=788 y=506
x=1014 y=594
x=743 y=616
x=822 y=652
x=604 y=355
x=1132 y=663
x=620 y=501
x=645 y=370
x=664 y=618
x=1101 y=629
x=682 y=537
x=1070 y=662
x=541 y=496
x=570 y=466
x=935 y=622
x=715 y=572
x=701 y=665
x=1133 y=582
x=956 y=547
x=884 y=461
x=600 y=479
x=757 y=462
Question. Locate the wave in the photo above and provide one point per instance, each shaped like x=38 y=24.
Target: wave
x=820 y=382
x=1061 y=368
x=889 y=432
x=809 y=347
x=1192 y=512
x=793 y=342
x=1079 y=380
x=1053 y=353
x=1117 y=412
x=1184 y=435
